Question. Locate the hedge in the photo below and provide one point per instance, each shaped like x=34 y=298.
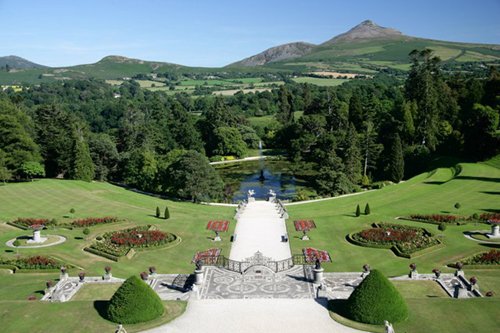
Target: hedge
x=134 y=302
x=101 y=253
x=375 y=300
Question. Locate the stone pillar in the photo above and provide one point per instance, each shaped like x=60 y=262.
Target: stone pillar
x=318 y=275
x=217 y=237
x=495 y=231
x=414 y=274
x=459 y=272
x=198 y=273
x=36 y=236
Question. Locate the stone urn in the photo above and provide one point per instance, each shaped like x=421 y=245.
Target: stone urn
x=413 y=271
x=107 y=273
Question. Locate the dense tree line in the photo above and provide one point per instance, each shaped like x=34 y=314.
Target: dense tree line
x=384 y=128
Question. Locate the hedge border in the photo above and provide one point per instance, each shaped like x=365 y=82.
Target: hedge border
x=394 y=248
x=435 y=222
x=173 y=243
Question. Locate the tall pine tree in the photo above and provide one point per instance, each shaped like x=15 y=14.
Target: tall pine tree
x=396 y=162
x=82 y=167
x=352 y=156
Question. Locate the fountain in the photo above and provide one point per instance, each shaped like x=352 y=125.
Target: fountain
x=37 y=238
x=261 y=164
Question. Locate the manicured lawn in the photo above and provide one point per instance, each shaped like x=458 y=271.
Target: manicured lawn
x=320 y=81
x=91 y=292
x=419 y=289
x=54 y=198
x=437 y=192
x=77 y=316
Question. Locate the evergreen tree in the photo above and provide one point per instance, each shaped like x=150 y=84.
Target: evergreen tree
x=30 y=170
x=285 y=113
x=82 y=165
x=352 y=156
x=157 y=212
x=367 y=209
x=167 y=213
x=358 y=211
x=356 y=111
x=396 y=161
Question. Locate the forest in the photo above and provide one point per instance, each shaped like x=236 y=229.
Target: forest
x=366 y=130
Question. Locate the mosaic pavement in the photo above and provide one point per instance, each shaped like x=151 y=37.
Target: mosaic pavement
x=259 y=283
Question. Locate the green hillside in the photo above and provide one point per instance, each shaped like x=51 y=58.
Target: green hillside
x=392 y=53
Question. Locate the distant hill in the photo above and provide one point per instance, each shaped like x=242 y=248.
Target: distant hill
x=277 y=53
x=15 y=62
x=369 y=48
x=363 y=31
x=366 y=48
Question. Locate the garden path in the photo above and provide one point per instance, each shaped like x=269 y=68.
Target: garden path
x=260 y=228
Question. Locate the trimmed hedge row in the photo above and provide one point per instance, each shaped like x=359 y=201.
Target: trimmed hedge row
x=101 y=253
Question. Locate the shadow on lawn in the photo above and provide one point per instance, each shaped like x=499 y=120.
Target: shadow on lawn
x=490 y=192
x=483 y=179
x=493 y=210
x=102 y=308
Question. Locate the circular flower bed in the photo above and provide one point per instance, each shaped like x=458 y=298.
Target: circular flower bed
x=404 y=240
x=118 y=243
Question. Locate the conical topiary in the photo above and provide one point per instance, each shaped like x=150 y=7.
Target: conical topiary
x=358 y=211
x=134 y=302
x=375 y=300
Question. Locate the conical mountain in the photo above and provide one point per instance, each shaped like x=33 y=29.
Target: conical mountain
x=365 y=30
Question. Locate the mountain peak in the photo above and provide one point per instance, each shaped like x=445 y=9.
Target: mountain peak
x=277 y=53
x=363 y=31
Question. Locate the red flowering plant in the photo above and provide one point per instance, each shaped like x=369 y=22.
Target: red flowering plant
x=494 y=221
x=34 y=262
x=208 y=257
x=90 y=221
x=138 y=238
x=312 y=254
x=29 y=222
x=489 y=216
x=438 y=218
x=491 y=257
x=304 y=225
x=218 y=225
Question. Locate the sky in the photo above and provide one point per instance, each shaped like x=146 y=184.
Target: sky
x=215 y=33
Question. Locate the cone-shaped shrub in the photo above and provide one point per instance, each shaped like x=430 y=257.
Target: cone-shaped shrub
x=358 y=211
x=157 y=212
x=375 y=300
x=134 y=302
x=167 y=213
x=367 y=209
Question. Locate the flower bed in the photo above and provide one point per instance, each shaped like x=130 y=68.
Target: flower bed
x=403 y=240
x=304 y=225
x=489 y=216
x=491 y=257
x=312 y=254
x=28 y=222
x=218 y=225
x=117 y=244
x=34 y=263
x=90 y=221
x=208 y=257
x=439 y=218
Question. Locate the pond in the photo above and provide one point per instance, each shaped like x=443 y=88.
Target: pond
x=261 y=176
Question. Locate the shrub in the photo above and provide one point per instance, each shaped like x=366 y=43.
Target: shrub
x=134 y=302
x=442 y=226
x=375 y=300
x=157 y=212
x=358 y=211
x=72 y=211
x=457 y=205
x=16 y=243
x=167 y=213
x=367 y=209
x=86 y=231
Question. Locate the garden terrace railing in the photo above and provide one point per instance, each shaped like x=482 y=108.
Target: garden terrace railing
x=241 y=266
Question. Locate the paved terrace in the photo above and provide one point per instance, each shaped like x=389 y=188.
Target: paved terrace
x=259 y=228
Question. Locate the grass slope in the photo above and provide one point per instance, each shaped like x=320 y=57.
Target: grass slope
x=437 y=192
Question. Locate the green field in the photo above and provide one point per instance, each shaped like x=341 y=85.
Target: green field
x=320 y=81
x=475 y=187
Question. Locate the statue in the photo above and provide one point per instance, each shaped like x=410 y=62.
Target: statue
x=120 y=329
x=198 y=264
x=251 y=193
x=318 y=264
x=388 y=327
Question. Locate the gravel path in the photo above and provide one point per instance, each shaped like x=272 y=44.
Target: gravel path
x=260 y=228
x=254 y=316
